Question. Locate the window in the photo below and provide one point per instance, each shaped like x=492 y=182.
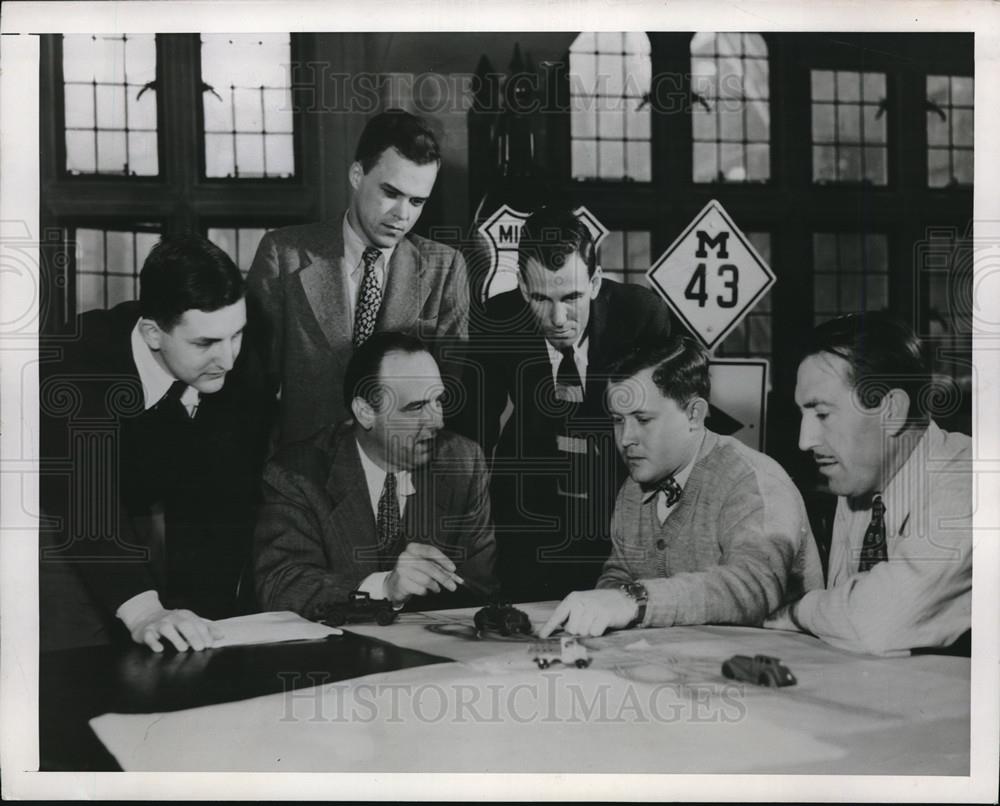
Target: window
x=751 y=338
x=730 y=113
x=624 y=256
x=610 y=75
x=108 y=262
x=109 y=104
x=849 y=127
x=240 y=243
x=949 y=130
x=247 y=105
x=850 y=273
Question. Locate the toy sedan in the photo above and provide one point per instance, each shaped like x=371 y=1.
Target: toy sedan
x=568 y=651
x=760 y=669
x=360 y=607
x=501 y=617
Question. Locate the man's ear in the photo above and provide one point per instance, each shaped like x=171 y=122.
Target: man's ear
x=364 y=414
x=150 y=332
x=697 y=411
x=354 y=174
x=895 y=410
x=595 y=282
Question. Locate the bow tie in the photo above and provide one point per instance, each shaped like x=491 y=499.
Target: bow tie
x=670 y=488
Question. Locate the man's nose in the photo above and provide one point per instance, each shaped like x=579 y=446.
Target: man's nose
x=401 y=209
x=628 y=433
x=808 y=434
x=558 y=314
x=226 y=355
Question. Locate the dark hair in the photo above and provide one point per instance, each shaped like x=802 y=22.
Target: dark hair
x=186 y=272
x=410 y=135
x=362 y=378
x=550 y=235
x=882 y=352
x=681 y=368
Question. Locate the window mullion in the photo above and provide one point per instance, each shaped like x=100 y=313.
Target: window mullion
x=180 y=135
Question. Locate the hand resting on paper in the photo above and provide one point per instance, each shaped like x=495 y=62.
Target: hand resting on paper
x=182 y=628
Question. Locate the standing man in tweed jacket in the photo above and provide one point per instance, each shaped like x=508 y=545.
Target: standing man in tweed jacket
x=323 y=289
x=706 y=530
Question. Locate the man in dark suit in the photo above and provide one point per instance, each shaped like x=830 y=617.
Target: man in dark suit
x=153 y=430
x=545 y=348
x=387 y=503
x=325 y=288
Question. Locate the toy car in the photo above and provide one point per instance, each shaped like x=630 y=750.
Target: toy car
x=501 y=617
x=360 y=607
x=760 y=669
x=567 y=651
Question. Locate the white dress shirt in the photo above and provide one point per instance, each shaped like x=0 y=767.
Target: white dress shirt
x=374 y=584
x=156 y=381
x=353 y=265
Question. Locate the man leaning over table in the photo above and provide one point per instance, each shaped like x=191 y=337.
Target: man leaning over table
x=706 y=530
x=900 y=574
x=386 y=503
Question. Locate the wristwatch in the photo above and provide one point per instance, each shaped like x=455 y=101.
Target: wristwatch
x=637 y=592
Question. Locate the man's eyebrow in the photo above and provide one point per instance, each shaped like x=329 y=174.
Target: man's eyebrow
x=388 y=187
x=812 y=403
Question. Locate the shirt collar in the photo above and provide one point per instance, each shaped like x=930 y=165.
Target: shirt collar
x=681 y=477
x=579 y=350
x=155 y=379
x=354 y=248
x=375 y=478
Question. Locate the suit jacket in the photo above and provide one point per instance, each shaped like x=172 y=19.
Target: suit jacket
x=508 y=360
x=132 y=501
x=296 y=283
x=316 y=536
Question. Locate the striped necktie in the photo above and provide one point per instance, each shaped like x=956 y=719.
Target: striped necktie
x=873 y=549
x=387 y=525
x=369 y=298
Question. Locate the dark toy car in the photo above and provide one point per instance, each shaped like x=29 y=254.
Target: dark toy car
x=760 y=669
x=501 y=617
x=360 y=607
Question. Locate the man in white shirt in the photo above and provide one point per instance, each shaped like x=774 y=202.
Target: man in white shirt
x=900 y=571
x=153 y=435
x=386 y=503
x=324 y=288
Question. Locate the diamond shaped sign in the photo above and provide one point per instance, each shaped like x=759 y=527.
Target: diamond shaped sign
x=502 y=232
x=711 y=275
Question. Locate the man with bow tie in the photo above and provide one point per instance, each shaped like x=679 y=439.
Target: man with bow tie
x=322 y=289
x=705 y=530
x=154 y=424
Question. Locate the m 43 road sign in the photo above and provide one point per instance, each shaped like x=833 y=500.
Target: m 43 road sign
x=711 y=275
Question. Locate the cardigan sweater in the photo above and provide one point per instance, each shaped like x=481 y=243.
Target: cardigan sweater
x=733 y=549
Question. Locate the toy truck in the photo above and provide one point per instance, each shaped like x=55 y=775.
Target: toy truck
x=567 y=651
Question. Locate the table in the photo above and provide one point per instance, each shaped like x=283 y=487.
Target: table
x=665 y=707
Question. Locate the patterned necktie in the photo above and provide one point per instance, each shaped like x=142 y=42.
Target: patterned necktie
x=873 y=550
x=671 y=489
x=387 y=526
x=369 y=298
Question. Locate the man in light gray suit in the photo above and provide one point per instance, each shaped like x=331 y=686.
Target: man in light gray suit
x=323 y=289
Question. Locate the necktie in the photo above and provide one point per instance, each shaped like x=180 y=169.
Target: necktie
x=671 y=489
x=387 y=525
x=369 y=298
x=569 y=387
x=873 y=550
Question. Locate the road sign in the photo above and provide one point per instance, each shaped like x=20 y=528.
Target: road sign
x=739 y=392
x=711 y=275
x=502 y=232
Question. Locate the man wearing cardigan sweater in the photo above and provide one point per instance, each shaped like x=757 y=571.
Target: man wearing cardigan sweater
x=706 y=530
